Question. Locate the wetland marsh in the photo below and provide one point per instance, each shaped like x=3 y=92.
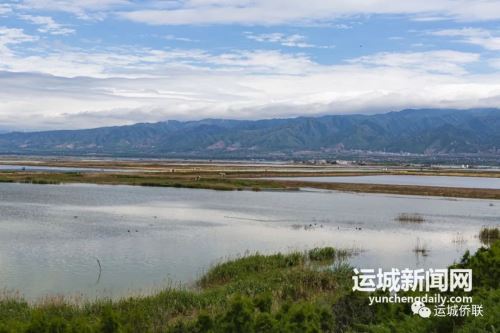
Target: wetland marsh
x=148 y=237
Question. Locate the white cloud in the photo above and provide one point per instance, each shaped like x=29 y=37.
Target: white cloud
x=180 y=39
x=133 y=62
x=5 y=9
x=294 y=40
x=342 y=26
x=41 y=101
x=272 y=12
x=12 y=36
x=261 y=61
x=58 y=87
x=88 y=88
x=84 y=9
x=267 y=12
x=48 y=25
x=475 y=36
x=495 y=63
x=441 y=61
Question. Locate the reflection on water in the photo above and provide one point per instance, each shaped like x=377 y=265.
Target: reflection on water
x=53 y=238
x=443 y=181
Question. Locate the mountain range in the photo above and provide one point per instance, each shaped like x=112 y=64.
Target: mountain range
x=420 y=131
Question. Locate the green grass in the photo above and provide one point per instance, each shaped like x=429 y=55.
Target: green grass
x=321 y=254
x=262 y=293
x=264 y=282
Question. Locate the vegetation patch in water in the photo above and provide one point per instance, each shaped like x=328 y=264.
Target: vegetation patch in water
x=234 y=180
x=488 y=235
x=207 y=181
x=421 y=249
x=410 y=218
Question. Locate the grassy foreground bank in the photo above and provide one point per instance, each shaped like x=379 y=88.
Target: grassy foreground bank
x=277 y=293
x=232 y=181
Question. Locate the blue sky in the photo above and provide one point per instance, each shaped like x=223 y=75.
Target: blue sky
x=89 y=63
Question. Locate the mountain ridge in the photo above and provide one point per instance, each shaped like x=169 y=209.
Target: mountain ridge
x=419 y=131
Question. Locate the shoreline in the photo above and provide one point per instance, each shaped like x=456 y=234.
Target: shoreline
x=261 y=291
x=253 y=169
x=233 y=182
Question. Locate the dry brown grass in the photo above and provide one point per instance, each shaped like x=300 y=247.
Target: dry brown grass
x=410 y=218
x=488 y=235
x=239 y=177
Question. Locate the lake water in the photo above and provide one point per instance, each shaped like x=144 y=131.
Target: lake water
x=41 y=168
x=443 y=181
x=145 y=238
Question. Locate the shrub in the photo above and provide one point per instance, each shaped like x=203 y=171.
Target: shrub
x=322 y=254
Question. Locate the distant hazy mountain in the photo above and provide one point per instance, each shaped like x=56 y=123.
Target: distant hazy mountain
x=416 y=131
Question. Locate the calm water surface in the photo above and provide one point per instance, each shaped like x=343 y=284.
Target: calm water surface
x=145 y=238
x=444 y=181
x=9 y=167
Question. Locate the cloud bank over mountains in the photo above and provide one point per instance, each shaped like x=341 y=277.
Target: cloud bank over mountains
x=77 y=64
